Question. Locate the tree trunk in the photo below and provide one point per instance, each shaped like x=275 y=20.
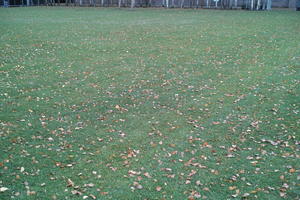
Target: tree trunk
x=119 y=3
x=132 y=3
x=102 y=3
x=252 y=5
x=258 y=5
x=167 y=3
x=182 y=3
x=269 y=4
x=265 y=5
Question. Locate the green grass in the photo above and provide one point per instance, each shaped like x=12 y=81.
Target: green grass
x=204 y=101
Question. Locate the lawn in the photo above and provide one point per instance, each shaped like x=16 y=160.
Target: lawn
x=149 y=104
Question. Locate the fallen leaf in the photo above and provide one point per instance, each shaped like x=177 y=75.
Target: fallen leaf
x=147 y=175
x=3 y=189
x=232 y=187
x=198 y=183
x=158 y=188
x=292 y=170
x=246 y=194
x=76 y=192
x=70 y=183
x=89 y=185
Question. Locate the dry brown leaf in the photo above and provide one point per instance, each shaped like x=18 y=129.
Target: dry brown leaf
x=70 y=183
x=292 y=170
x=232 y=187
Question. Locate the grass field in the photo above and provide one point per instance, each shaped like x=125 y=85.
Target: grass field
x=149 y=104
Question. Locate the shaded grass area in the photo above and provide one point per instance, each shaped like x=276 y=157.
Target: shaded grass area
x=149 y=104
